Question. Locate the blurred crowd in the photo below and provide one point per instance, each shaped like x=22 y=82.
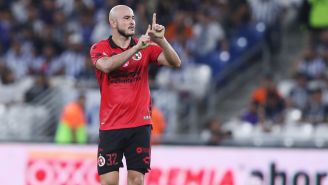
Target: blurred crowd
x=52 y=37
x=306 y=92
x=304 y=98
x=294 y=107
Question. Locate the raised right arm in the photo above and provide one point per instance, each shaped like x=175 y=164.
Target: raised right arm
x=108 y=64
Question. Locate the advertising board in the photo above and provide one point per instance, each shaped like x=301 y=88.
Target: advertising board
x=171 y=165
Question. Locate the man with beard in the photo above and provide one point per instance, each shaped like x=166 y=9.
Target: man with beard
x=121 y=63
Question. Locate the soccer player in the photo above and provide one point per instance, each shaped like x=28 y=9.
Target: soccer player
x=121 y=63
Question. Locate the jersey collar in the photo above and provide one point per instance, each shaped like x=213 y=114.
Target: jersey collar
x=113 y=45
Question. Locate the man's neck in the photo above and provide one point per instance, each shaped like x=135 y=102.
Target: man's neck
x=121 y=41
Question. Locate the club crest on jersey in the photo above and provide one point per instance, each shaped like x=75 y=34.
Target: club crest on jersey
x=101 y=161
x=137 y=56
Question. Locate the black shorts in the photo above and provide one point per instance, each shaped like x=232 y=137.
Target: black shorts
x=133 y=143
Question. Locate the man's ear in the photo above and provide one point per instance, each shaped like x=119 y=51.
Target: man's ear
x=112 y=22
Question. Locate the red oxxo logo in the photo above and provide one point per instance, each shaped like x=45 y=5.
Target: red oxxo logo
x=62 y=172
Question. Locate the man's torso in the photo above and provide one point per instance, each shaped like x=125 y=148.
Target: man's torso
x=125 y=94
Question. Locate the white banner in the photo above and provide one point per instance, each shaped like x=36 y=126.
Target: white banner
x=171 y=165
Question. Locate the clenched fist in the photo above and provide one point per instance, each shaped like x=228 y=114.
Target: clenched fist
x=143 y=41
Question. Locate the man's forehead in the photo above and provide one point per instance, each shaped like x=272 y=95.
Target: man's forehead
x=125 y=12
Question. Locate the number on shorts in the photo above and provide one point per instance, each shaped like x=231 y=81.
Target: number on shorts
x=112 y=157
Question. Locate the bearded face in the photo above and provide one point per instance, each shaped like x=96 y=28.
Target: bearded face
x=126 y=31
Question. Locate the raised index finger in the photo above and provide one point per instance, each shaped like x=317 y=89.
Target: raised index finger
x=154 y=20
x=148 y=29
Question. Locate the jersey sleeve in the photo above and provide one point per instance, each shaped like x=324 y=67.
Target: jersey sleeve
x=155 y=51
x=97 y=51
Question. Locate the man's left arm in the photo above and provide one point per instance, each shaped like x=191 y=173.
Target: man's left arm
x=168 y=56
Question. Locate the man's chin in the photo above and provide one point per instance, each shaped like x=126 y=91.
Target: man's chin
x=131 y=34
x=126 y=34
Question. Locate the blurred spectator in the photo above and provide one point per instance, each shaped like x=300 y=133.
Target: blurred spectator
x=273 y=110
x=179 y=33
x=19 y=10
x=183 y=47
x=179 y=25
x=12 y=90
x=101 y=29
x=208 y=37
x=208 y=34
x=47 y=62
x=251 y=115
x=74 y=53
x=315 y=111
x=7 y=76
x=33 y=19
x=46 y=36
x=72 y=125
x=260 y=94
x=86 y=27
x=40 y=86
x=266 y=11
x=158 y=125
x=271 y=105
x=298 y=96
x=60 y=31
x=270 y=13
x=17 y=60
x=311 y=64
x=213 y=133
x=75 y=8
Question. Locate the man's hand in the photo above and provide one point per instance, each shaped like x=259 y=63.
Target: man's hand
x=144 y=40
x=156 y=31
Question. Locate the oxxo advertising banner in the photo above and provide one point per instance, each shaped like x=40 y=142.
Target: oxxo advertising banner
x=171 y=165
